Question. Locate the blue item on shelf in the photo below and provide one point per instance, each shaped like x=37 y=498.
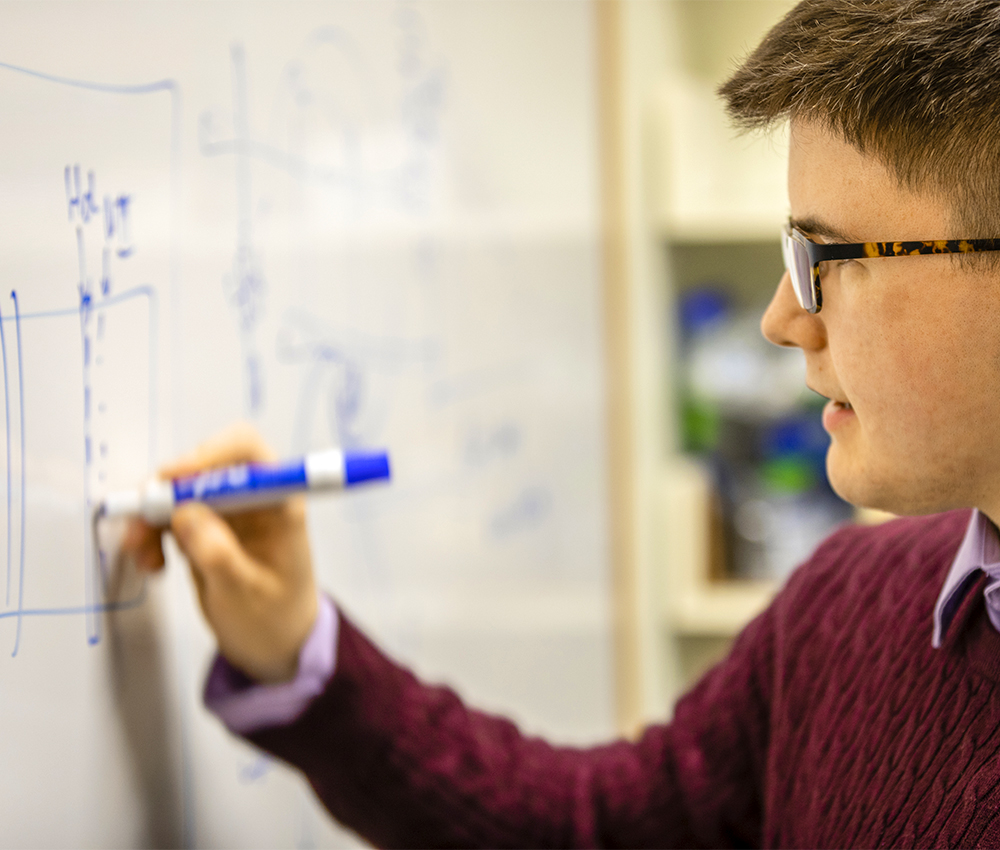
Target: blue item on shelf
x=702 y=309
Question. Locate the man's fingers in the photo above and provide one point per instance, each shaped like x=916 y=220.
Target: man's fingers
x=149 y=558
x=209 y=544
x=241 y=443
x=144 y=544
x=136 y=534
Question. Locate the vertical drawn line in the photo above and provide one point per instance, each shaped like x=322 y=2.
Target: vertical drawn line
x=6 y=408
x=24 y=510
x=82 y=255
x=246 y=285
x=91 y=579
x=154 y=321
x=242 y=269
x=241 y=126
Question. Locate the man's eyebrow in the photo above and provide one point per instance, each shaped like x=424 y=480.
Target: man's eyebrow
x=812 y=226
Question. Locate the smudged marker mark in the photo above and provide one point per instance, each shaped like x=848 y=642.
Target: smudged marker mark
x=531 y=508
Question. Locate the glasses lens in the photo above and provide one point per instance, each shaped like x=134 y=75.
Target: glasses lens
x=799 y=269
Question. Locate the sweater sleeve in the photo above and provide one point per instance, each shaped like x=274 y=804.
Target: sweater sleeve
x=405 y=764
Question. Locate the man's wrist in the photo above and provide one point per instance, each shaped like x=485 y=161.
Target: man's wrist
x=246 y=706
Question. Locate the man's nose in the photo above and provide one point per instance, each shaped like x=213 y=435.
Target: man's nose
x=786 y=323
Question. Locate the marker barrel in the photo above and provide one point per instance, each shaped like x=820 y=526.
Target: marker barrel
x=249 y=485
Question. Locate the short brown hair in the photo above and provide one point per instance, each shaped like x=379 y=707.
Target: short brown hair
x=914 y=83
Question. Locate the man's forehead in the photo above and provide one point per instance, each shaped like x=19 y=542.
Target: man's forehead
x=842 y=194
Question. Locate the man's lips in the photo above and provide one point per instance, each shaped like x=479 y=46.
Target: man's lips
x=831 y=397
x=836 y=413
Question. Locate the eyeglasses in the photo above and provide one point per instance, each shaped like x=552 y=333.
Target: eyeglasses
x=803 y=256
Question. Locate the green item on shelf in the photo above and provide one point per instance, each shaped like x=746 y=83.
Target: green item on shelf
x=788 y=475
x=700 y=425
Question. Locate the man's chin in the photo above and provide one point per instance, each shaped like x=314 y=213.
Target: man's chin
x=843 y=476
x=863 y=487
x=856 y=484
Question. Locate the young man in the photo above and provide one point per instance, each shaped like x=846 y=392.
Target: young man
x=863 y=707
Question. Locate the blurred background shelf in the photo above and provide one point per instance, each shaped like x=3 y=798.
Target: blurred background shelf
x=699 y=600
x=729 y=489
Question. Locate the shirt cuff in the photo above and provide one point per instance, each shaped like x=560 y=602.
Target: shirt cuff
x=245 y=706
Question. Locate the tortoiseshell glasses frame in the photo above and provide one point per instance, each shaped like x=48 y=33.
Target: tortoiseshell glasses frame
x=803 y=256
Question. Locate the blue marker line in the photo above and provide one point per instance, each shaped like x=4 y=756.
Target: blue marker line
x=154 y=324
x=76 y=610
x=63 y=312
x=144 y=88
x=6 y=407
x=92 y=623
x=236 y=488
x=24 y=487
x=147 y=292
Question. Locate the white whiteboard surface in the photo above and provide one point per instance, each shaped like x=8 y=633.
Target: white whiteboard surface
x=357 y=224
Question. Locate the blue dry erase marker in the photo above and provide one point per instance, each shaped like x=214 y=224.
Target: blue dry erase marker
x=234 y=488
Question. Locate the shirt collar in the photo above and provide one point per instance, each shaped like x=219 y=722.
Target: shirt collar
x=980 y=550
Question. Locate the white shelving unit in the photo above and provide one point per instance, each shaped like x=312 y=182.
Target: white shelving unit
x=692 y=184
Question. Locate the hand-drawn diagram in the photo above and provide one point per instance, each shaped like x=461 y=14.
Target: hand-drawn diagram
x=100 y=316
x=100 y=310
x=364 y=153
x=344 y=372
x=357 y=271
x=344 y=282
x=108 y=325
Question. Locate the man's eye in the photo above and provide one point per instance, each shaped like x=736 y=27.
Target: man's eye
x=828 y=266
x=837 y=264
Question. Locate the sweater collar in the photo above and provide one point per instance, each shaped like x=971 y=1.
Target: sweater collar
x=980 y=550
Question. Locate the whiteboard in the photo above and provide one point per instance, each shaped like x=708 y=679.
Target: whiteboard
x=354 y=224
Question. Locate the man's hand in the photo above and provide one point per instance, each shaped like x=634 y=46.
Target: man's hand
x=253 y=569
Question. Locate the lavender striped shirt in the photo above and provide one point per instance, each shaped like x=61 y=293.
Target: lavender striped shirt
x=980 y=550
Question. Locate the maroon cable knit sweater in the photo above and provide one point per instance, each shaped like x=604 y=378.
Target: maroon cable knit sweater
x=831 y=723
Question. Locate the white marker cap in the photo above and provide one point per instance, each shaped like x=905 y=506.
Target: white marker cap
x=154 y=503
